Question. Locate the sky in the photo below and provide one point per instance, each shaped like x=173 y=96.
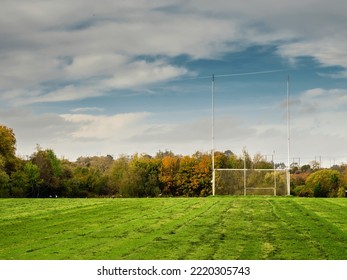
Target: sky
x=102 y=77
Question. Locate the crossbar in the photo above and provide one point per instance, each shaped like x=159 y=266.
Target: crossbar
x=259 y=188
x=242 y=169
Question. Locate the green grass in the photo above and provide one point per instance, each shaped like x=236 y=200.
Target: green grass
x=174 y=228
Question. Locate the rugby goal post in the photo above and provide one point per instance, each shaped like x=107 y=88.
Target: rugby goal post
x=244 y=181
x=286 y=171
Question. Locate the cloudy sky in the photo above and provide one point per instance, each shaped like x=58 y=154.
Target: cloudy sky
x=117 y=77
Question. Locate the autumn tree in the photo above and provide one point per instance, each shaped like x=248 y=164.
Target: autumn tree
x=202 y=175
x=168 y=174
x=8 y=149
x=184 y=176
x=194 y=175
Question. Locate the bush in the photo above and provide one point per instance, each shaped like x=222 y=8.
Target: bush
x=318 y=191
x=4 y=184
x=324 y=183
x=341 y=192
x=302 y=191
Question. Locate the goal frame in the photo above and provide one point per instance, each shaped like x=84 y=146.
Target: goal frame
x=287 y=169
x=245 y=170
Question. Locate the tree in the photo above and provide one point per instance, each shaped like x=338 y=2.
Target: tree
x=161 y=154
x=235 y=162
x=86 y=182
x=305 y=168
x=247 y=158
x=315 y=165
x=8 y=149
x=220 y=160
x=260 y=162
x=202 y=176
x=324 y=183
x=50 y=171
x=4 y=180
x=168 y=174
x=116 y=175
x=101 y=163
x=26 y=181
x=184 y=176
x=294 y=168
x=32 y=179
x=142 y=178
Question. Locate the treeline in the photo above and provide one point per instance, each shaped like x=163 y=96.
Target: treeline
x=43 y=174
x=313 y=181
x=166 y=174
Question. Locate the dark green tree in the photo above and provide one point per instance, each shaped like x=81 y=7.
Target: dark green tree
x=4 y=180
x=50 y=172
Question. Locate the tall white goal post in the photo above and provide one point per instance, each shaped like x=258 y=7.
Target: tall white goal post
x=212 y=152
x=280 y=184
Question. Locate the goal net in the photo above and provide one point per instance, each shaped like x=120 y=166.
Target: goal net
x=250 y=182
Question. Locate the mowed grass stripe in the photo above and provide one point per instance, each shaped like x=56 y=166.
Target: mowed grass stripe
x=173 y=228
x=309 y=235
x=30 y=236
x=330 y=210
x=250 y=228
x=152 y=228
x=186 y=238
x=13 y=209
x=92 y=231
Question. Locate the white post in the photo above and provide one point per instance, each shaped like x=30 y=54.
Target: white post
x=288 y=144
x=244 y=175
x=274 y=166
x=212 y=152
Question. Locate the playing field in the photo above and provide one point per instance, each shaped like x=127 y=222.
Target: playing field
x=174 y=228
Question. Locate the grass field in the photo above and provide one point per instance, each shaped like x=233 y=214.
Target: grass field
x=174 y=228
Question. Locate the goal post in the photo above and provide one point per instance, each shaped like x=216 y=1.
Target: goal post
x=281 y=177
x=250 y=181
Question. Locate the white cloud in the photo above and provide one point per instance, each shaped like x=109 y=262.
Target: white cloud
x=67 y=93
x=142 y=73
x=318 y=122
x=111 y=128
x=320 y=112
x=342 y=74
x=322 y=100
x=329 y=51
x=87 y=109
x=74 y=42
x=48 y=130
x=74 y=135
x=94 y=65
x=312 y=28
